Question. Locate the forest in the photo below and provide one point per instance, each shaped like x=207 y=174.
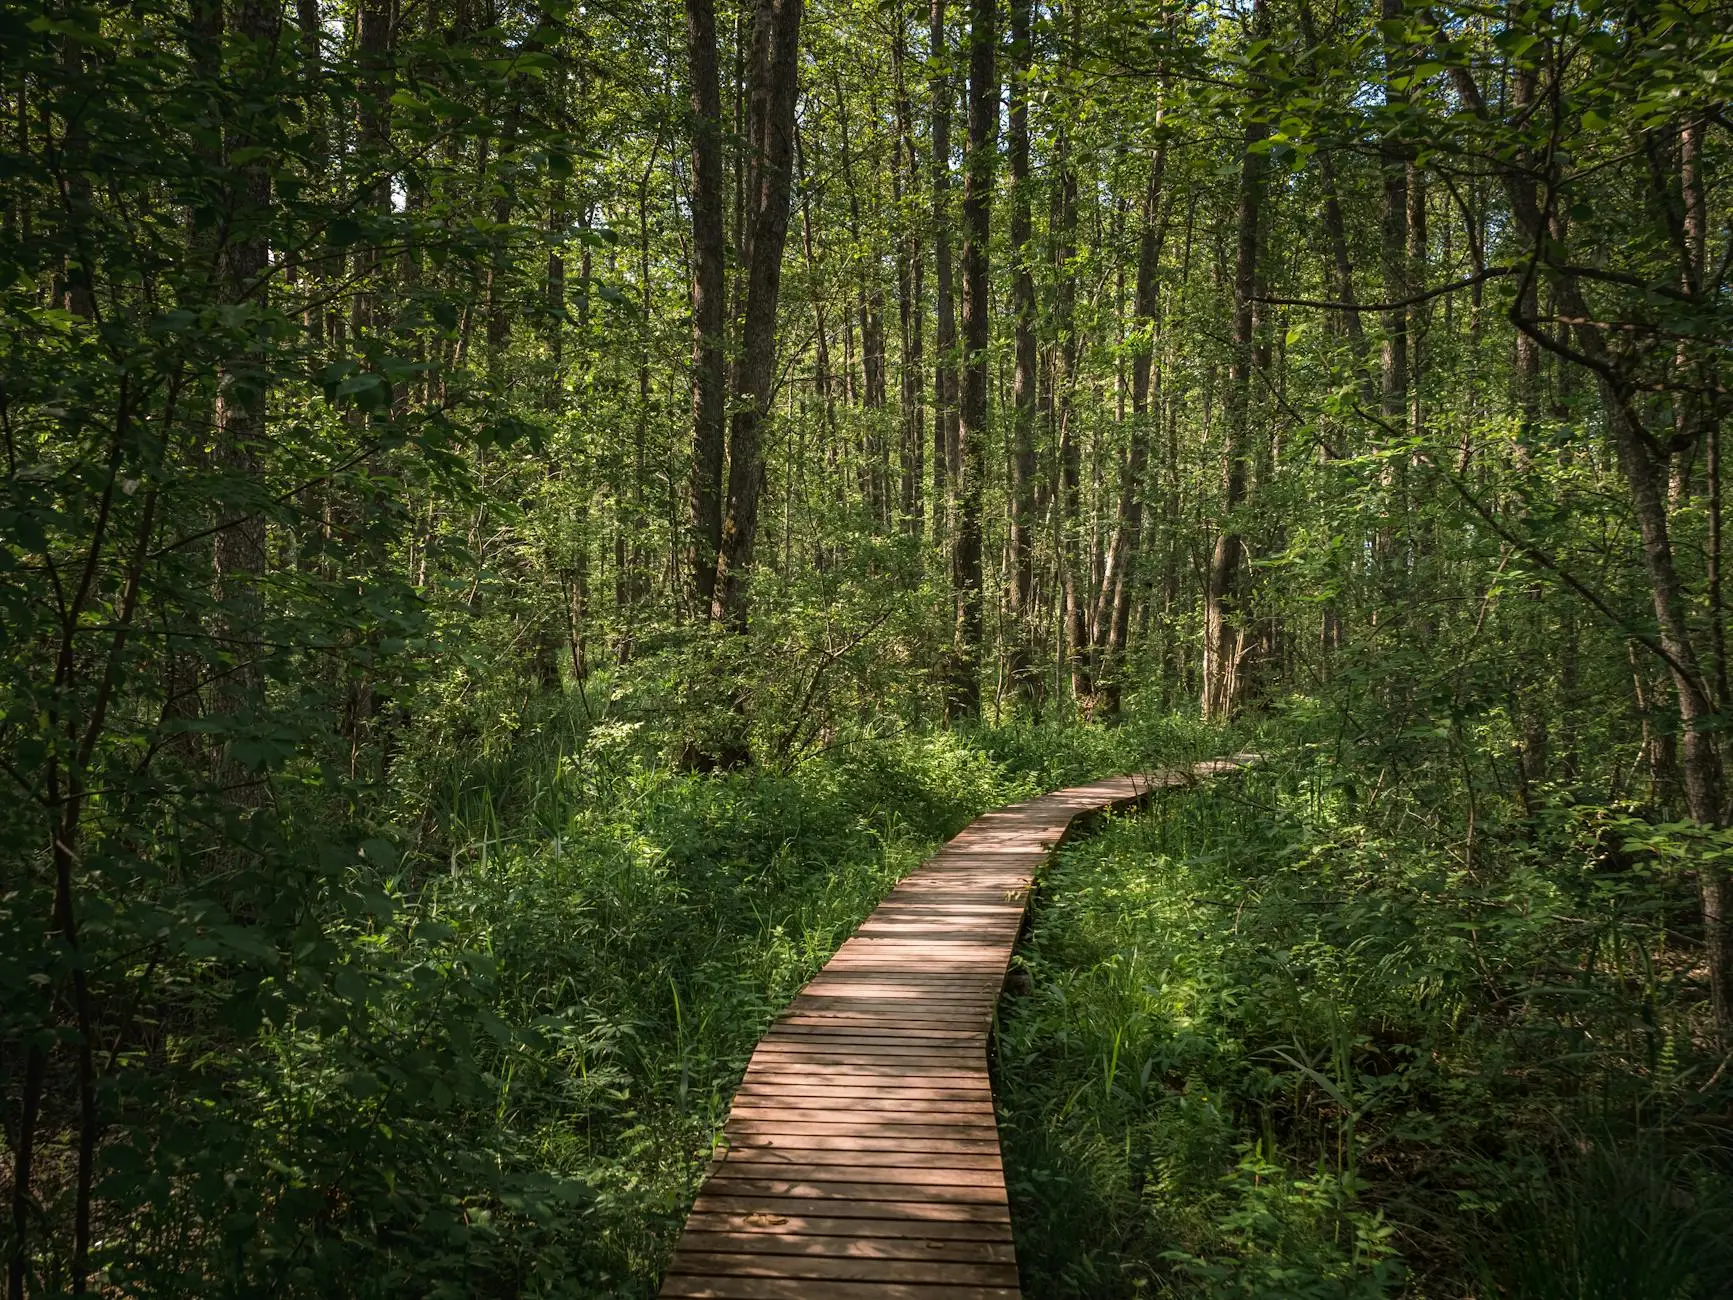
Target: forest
x=522 y=520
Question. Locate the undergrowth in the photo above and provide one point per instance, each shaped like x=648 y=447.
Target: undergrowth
x=575 y=948
x=1271 y=1049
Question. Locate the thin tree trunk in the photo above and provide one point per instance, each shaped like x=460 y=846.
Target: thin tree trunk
x=1393 y=395
x=1064 y=224
x=977 y=326
x=1532 y=720
x=1024 y=677
x=945 y=340
x=1128 y=529
x=870 y=310
x=1224 y=630
x=1645 y=480
x=821 y=375
x=1335 y=230
x=243 y=263
x=709 y=347
x=911 y=309
x=770 y=145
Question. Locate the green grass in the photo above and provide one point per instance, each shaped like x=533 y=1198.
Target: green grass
x=648 y=925
x=584 y=945
x=1271 y=1052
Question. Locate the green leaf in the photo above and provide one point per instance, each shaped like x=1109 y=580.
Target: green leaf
x=363 y=383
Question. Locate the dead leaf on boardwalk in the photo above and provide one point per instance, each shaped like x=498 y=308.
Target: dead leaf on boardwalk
x=759 y=1219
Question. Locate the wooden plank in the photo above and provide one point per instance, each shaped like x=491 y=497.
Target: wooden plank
x=757 y=1157
x=844 y=1084
x=766 y=1110
x=947 y=1051
x=866 y=1234
x=873 y=1185
x=930 y=1059
x=856 y=1141
x=680 y=1287
x=873 y=999
x=886 y=1108
x=877 y=1019
x=881 y=1032
x=828 y=1124
x=839 y=1086
x=849 y=1045
x=867 y=1078
x=959 y=1031
x=855 y=1268
x=780 y=1242
x=875 y=1208
x=770 y=1083
x=797 y=1110
x=749 y=1169
x=869 y=1068
x=844 y=1089
x=860 y=1160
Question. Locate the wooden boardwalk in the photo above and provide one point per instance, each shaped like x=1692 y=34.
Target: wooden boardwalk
x=861 y=1157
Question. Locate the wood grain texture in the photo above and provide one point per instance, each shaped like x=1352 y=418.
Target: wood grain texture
x=861 y=1157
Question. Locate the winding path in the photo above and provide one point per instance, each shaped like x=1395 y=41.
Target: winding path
x=861 y=1158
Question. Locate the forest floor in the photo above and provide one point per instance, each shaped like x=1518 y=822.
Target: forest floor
x=1267 y=1052
x=1269 y=1047
x=647 y=925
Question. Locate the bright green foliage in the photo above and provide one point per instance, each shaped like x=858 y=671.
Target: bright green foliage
x=366 y=925
x=1281 y=1040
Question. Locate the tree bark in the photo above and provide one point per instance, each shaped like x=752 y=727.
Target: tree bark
x=1063 y=220
x=1224 y=632
x=1532 y=739
x=243 y=263
x=709 y=347
x=1335 y=230
x=1122 y=556
x=911 y=309
x=870 y=311
x=770 y=166
x=1393 y=247
x=977 y=323
x=1025 y=679
x=1641 y=458
x=945 y=339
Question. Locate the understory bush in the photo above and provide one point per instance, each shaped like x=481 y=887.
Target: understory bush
x=1271 y=1048
x=485 y=1042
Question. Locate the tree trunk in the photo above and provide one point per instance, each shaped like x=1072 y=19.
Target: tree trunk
x=709 y=347
x=1641 y=457
x=1024 y=678
x=977 y=325
x=1532 y=721
x=1063 y=220
x=770 y=154
x=1335 y=230
x=911 y=309
x=821 y=372
x=945 y=340
x=870 y=310
x=1122 y=556
x=1393 y=394
x=239 y=550
x=1224 y=630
